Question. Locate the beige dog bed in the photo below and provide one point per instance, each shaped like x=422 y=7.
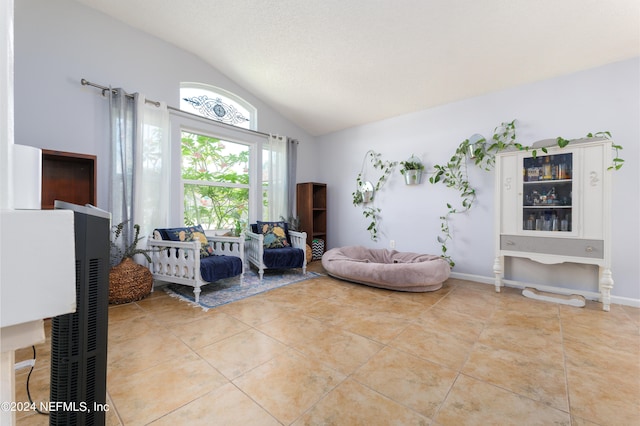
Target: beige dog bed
x=388 y=269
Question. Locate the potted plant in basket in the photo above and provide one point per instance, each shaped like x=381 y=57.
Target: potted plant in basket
x=128 y=280
x=412 y=170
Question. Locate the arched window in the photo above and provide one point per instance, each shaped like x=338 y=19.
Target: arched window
x=220 y=169
x=217 y=104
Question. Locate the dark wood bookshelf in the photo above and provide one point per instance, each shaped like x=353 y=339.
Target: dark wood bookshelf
x=68 y=176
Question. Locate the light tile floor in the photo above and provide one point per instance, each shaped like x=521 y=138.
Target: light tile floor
x=327 y=352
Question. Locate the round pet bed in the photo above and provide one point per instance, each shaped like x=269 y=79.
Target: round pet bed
x=388 y=269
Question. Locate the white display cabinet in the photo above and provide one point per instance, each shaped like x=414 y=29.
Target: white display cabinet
x=555 y=207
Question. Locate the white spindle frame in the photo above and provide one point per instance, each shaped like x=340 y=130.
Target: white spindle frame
x=179 y=262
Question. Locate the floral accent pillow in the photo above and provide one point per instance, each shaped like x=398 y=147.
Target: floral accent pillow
x=191 y=233
x=275 y=234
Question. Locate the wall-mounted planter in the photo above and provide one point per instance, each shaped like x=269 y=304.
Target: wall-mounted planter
x=412 y=170
x=366 y=189
x=412 y=177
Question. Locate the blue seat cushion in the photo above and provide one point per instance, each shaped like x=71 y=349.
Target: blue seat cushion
x=283 y=258
x=217 y=267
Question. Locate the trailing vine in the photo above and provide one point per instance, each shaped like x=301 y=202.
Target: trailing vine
x=453 y=174
x=372 y=214
x=617 y=162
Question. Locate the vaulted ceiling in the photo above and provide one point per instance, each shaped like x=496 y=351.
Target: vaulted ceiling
x=332 y=64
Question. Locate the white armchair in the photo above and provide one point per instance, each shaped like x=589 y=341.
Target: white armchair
x=179 y=262
x=277 y=258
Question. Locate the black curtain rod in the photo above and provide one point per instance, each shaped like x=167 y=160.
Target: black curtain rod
x=216 y=122
x=105 y=89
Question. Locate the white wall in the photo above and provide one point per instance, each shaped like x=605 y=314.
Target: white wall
x=605 y=98
x=59 y=42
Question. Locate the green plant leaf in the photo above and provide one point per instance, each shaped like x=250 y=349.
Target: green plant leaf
x=562 y=142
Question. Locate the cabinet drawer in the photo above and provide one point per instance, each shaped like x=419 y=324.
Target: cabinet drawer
x=593 y=249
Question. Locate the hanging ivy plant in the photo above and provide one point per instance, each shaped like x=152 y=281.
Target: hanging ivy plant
x=363 y=195
x=454 y=175
x=617 y=162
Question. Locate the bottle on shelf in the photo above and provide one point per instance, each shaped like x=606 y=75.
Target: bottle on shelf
x=530 y=222
x=551 y=196
x=539 y=222
x=562 y=171
x=546 y=169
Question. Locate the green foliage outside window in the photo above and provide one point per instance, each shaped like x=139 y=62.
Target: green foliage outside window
x=220 y=197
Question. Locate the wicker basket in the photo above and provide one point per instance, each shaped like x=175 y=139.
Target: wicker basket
x=129 y=282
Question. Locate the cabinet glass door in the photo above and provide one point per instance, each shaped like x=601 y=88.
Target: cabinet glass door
x=547 y=193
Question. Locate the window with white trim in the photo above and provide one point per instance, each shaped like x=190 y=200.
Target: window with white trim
x=219 y=166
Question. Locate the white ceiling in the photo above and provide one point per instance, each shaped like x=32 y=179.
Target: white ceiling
x=332 y=64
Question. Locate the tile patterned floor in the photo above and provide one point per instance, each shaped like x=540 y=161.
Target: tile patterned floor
x=326 y=352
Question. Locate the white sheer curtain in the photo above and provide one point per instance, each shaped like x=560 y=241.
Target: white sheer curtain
x=276 y=165
x=152 y=158
x=139 y=172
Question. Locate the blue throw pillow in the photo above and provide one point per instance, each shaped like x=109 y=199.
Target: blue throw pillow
x=190 y=233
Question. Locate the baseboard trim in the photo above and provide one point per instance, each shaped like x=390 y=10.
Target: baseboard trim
x=590 y=295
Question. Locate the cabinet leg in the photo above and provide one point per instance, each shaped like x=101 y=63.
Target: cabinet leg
x=497 y=270
x=606 y=284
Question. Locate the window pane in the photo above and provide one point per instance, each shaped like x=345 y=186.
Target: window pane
x=214 y=160
x=222 y=167
x=265 y=202
x=215 y=207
